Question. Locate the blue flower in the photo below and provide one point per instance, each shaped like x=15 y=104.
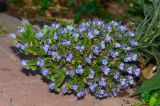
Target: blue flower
x=74 y=87
x=134 y=57
x=46 y=47
x=122 y=28
x=129 y=70
x=102 y=44
x=96 y=32
x=24 y=62
x=114 y=54
x=105 y=70
x=116 y=75
x=102 y=82
x=108 y=38
x=40 y=63
x=128 y=48
x=90 y=35
x=137 y=72
x=79 y=70
x=70 y=27
x=80 y=48
x=104 y=61
x=92 y=86
x=25 y=21
x=51 y=86
x=45 y=72
x=134 y=43
x=91 y=73
x=55 y=36
x=109 y=29
x=80 y=93
x=58 y=57
x=123 y=81
x=69 y=57
x=25 y=46
x=127 y=59
x=131 y=33
x=66 y=43
x=70 y=73
x=131 y=80
x=12 y=36
x=115 y=92
x=64 y=90
x=96 y=50
x=121 y=66
x=21 y=29
x=117 y=44
x=18 y=45
x=39 y=35
x=82 y=29
x=114 y=23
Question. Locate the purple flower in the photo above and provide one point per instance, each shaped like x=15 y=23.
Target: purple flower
x=79 y=70
x=96 y=32
x=90 y=35
x=114 y=23
x=108 y=38
x=66 y=43
x=45 y=72
x=74 y=87
x=55 y=36
x=117 y=44
x=64 y=90
x=116 y=75
x=82 y=29
x=69 y=57
x=115 y=92
x=92 y=86
x=25 y=46
x=51 y=86
x=80 y=48
x=121 y=66
x=104 y=61
x=24 y=62
x=70 y=27
x=96 y=50
x=134 y=57
x=21 y=29
x=127 y=59
x=137 y=72
x=122 y=28
x=40 y=63
x=80 y=93
x=129 y=70
x=123 y=81
x=114 y=54
x=105 y=70
x=39 y=35
x=46 y=47
x=128 y=48
x=132 y=34
x=76 y=35
x=70 y=73
x=134 y=43
x=109 y=29
x=25 y=21
x=102 y=44
x=131 y=80
x=102 y=82
x=12 y=36
x=91 y=73
x=58 y=57
x=18 y=45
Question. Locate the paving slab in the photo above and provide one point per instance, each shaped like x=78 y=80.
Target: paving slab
x=22 y=90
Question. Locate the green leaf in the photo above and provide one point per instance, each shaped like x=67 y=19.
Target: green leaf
x=151 y=84
x=152 y=101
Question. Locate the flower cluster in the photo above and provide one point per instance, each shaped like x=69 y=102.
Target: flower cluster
x=93 y=56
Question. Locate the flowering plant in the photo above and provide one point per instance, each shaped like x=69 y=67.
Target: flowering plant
x=93 y=56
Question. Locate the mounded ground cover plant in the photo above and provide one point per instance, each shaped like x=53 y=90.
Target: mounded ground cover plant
x=93 y=56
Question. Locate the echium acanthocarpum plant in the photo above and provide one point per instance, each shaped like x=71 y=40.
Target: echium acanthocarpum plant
x=93 y=56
